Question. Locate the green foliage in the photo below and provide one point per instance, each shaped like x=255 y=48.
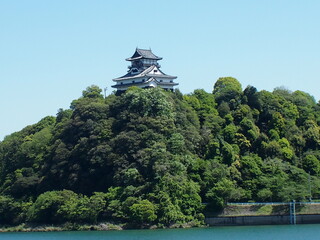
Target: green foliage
x=204 y=104
x=46 y=207
x=311 y=164
x=92 y=92
x=224 y=191
x=149 y=102
x=143 y=212
x=62 y=206
x=251 y=97
x=11 y=211
x=227 y=89
x=178 y=199
x=149 y=156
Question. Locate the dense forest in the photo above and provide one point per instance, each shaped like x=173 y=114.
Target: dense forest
x=154 y=157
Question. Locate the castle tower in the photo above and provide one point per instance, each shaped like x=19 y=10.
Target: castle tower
x=144 y=72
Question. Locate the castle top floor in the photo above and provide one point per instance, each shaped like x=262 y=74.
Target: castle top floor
x=143 y=58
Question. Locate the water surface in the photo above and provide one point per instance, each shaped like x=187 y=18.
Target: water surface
x=281 y=232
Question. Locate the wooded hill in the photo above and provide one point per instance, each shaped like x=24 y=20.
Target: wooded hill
x=150 y=156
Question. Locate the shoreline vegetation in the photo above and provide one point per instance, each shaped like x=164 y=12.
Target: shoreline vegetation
x=247 y=210
x=62 y=227
x=25 y=227
x=150 y=158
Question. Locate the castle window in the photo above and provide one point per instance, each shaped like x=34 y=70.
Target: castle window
x=161 y=80
x=133 y=81
x=155 y=70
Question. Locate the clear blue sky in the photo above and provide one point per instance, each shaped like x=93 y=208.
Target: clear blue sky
x=52 y=50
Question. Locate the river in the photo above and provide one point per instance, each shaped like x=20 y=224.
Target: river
x=281 y=232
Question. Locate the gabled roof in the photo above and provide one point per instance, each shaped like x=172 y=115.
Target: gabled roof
x=143 y=53
x=145 y=83
x=147 y=72
x=152 y=79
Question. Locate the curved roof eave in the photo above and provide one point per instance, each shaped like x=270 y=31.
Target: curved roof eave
x=143 y=53
x=147 y=73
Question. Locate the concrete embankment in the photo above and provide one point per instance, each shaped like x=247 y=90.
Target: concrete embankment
x=261 y=220
x=265 y=214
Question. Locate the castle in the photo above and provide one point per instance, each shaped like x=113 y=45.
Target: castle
x=144 y=72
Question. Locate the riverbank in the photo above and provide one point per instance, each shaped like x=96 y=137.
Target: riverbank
x=25 y=227
x=232 y=214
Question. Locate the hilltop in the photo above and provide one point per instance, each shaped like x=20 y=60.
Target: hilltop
x=152 y=157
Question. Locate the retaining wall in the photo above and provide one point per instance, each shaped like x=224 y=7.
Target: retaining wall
x=261 y=220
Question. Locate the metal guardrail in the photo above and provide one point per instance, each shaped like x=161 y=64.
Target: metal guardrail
x=271 y=203
x=259 y=203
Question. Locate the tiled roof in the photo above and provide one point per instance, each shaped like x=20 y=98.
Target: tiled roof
x=143 y=53
x=147 y=72
x=151 y=79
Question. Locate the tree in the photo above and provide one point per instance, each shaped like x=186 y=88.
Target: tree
x=204 y=104
x=61 y=206
x=92 y=92
x=46 y=209
x=312 y=134
x=311 y=164
x=252 y=97
x=228 y=89
x=153 y=156
x=143 y=212
x=224 y=191
x=11 y=211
